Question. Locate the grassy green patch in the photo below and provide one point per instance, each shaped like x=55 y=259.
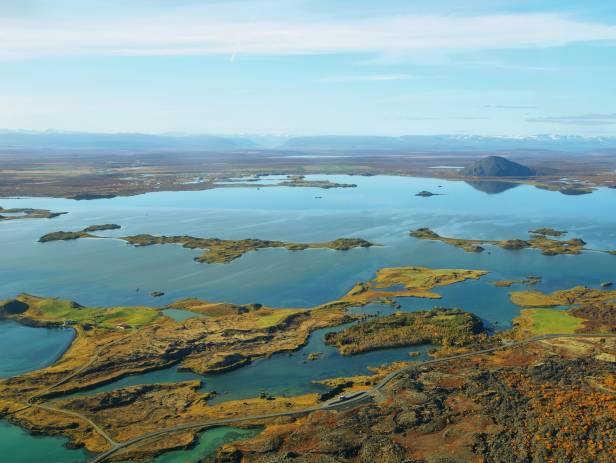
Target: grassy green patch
x=57 y=310
x=546 y=321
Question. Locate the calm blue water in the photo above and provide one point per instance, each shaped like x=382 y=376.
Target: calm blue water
x=23 y=348
x=381 y=209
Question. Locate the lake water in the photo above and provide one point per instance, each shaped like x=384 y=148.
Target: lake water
x=23 y=348
x=381 y=209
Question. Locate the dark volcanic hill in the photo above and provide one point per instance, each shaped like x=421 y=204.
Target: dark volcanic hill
x=495 y=166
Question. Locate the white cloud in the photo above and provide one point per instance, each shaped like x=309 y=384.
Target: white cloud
x=200 y=34
x=581 y=119
x=366 y=78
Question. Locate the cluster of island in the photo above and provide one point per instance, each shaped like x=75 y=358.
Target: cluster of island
x=222 y=251
x=114 y=342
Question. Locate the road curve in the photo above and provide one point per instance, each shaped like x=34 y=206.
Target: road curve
x=32 y=401
x=367 y=395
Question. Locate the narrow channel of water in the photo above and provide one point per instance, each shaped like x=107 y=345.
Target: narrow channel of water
x=281 y=374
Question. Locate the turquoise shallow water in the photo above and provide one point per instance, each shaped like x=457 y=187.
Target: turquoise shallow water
x=209 y=441
x=17 y=446
x=380 y=209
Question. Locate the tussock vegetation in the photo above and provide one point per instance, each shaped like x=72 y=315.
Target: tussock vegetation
x=447 y=327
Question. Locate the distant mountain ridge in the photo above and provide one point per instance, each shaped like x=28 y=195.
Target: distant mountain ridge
x=449 y=142
x=139 y=141
x=496 y=166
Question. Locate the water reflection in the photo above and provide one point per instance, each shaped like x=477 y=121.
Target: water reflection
x=492 y=187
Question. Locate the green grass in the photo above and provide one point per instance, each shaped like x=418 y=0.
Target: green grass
x=546 y=321
x=59 y=310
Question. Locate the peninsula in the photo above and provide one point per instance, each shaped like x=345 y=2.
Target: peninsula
x=588 y=310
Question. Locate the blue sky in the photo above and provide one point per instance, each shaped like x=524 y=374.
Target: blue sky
x=302 y=67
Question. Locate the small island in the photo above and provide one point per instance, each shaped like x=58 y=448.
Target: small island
x=426 y=194
x=217 y=251
x=85 y=233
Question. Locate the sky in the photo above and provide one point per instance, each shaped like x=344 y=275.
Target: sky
x=310 y=67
